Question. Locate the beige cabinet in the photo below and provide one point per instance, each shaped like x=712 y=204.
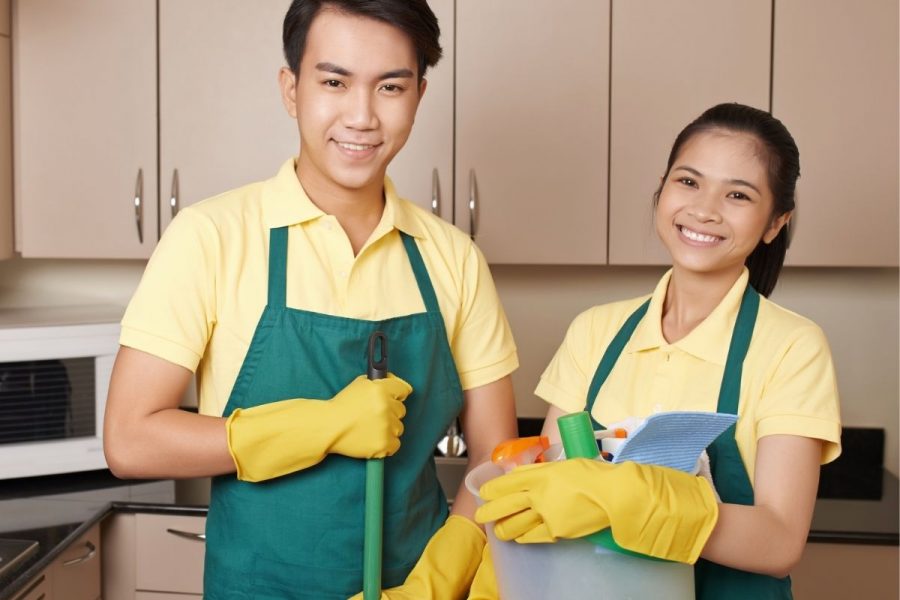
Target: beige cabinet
x=670 y=62
x=532 y=92
x=73 y=575
x=6 y=184
x=87 y=182
x=840 y=571
x=84 y=96
x=835 y=85
x=151 y=556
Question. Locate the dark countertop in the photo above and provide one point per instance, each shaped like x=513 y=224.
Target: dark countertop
x=55 y=511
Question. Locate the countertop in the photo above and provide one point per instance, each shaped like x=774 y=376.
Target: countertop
x=55 y=511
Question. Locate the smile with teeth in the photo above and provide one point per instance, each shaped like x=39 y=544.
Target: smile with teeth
x=355 y=147
x=696 y=236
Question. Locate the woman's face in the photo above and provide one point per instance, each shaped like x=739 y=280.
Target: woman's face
x=715 y=204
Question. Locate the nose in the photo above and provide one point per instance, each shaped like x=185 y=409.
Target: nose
x=359 y=110
x=705 y=208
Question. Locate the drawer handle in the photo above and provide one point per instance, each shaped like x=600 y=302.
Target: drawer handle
x=173 y=197
x=473 y=204
x=197 y=537
x=435 y=192
x=91 y=553
x=139 y=204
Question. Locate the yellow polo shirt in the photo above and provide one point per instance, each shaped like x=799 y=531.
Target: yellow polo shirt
x=205 y=286
x=788 y=384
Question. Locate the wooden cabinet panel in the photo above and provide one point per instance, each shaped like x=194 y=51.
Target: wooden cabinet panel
x=37 y=589
x=532 y=91
x=222 y=122
x=169 y=553
x=6 y=185
x=164 y=596
x=670 y=62
x=75 y=574
x=840 y=571
x=835 y=85
x=84 y=96
x=424 y=167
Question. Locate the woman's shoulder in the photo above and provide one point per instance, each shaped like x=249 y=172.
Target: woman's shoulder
x=601 y=322
x=779 y=325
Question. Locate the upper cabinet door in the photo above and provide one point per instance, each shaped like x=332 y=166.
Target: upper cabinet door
x=835 y=86
x=532 y=92
x=222 y=122
x=85 y=128
x=423 y=170
x=671 y=61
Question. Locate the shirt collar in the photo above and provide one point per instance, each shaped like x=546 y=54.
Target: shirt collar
x=285 y=203
x=708 y=341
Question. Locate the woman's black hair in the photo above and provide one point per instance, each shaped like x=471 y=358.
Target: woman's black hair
x=783 y=168
x=413 y=17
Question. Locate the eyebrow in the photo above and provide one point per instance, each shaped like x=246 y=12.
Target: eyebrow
x=339 y=70
x=697 y=173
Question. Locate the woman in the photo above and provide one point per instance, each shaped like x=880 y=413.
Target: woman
x=707 y=339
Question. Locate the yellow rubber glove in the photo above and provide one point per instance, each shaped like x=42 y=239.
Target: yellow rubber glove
x=364 y=420
x=652 y=510
x=446 y=567
x=484 y=586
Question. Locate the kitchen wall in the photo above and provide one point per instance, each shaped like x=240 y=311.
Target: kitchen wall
x=859 y=309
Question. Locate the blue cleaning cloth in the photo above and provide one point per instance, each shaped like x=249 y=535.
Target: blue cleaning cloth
x=674 y=439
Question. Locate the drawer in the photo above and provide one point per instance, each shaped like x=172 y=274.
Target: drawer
x=169 y=553
x=37 y=589
x=75 y=574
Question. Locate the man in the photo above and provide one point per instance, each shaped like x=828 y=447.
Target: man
x=270 y=292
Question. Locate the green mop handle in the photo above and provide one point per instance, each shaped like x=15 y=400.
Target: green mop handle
x=374 y=522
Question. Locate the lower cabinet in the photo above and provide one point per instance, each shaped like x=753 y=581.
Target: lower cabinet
x=841 y=571
x=153 y=557
x=74 y=575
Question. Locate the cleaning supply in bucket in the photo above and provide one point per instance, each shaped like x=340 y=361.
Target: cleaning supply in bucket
x=520 y=451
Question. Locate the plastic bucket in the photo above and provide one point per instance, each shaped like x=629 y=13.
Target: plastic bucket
x=576 y=569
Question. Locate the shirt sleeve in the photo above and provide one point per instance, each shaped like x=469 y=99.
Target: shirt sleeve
x=172 y=313
x=482 y=344
x=800 y=395
x=566 y=379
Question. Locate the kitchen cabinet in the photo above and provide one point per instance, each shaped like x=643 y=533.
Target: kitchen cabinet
x=88 y=184
x=670 y=62
x=6 y=186
x=835 y=85
x=532 y=108
x=152 y=556
x=839 y=571
x=74 y=575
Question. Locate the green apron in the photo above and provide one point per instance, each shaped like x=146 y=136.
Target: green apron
x=713 y=581
x=301 y=535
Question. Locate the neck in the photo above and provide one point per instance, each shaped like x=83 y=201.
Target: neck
x=357 y=210
x=691 y=297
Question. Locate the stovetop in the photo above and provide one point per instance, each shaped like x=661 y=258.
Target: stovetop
x=13 y=552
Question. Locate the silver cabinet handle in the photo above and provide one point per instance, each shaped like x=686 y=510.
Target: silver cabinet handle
x=173 y=198
x=435 y=192
x=91 y=553
x=473 y=204
x=139 y=205
x=197 y=537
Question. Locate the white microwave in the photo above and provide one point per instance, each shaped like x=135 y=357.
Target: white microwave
x=55 y=366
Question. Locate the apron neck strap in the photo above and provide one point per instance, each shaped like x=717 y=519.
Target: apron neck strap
x=421 y=273
x=730 y=390
x=278 y=241
x=611 y=356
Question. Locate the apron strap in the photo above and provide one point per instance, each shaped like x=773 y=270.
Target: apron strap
x=278 y=242
x=730 y=390
x=611 y=356
x=421 y=273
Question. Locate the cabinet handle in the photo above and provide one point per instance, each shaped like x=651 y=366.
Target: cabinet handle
x=435 y=192
x=197 y=537
x=473 y=204
x=139 y=205
x=91 y=553
x=173 y=198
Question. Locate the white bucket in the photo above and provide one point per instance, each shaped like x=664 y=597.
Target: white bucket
x=577 y=569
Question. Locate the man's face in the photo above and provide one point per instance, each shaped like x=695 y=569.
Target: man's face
x=354 y=99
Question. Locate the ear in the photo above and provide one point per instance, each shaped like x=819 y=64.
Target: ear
x=288 y=84
x=776 y=226
x=422 y=85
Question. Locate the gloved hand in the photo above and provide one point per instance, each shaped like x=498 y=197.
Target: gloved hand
x=363 y=421
x=652 y=510
x=484 y=586
x=446 y=567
